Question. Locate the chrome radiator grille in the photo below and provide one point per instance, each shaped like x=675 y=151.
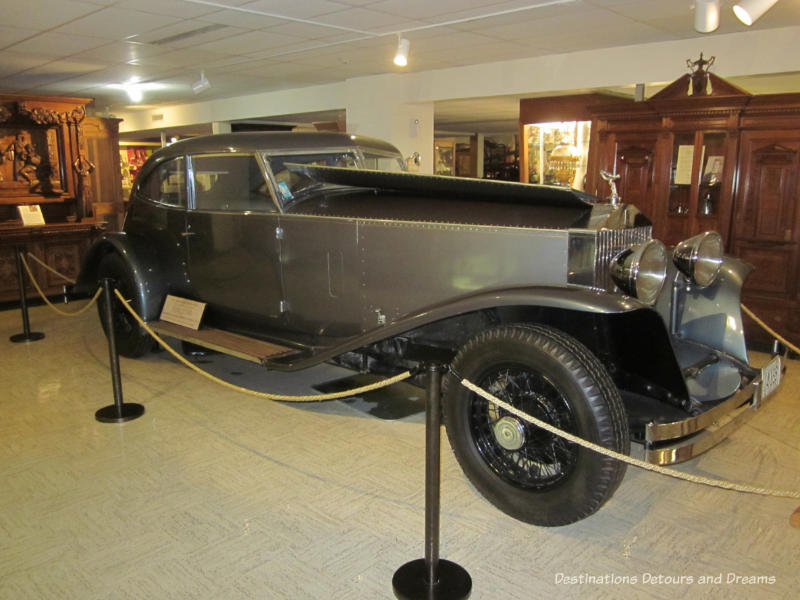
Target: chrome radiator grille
x=609 y=243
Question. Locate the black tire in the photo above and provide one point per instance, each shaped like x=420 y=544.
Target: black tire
x=534 y=476
x=132 y=340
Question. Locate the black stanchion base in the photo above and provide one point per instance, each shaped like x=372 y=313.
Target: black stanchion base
x=128 y=412
x=409 y=582
x=30 y=337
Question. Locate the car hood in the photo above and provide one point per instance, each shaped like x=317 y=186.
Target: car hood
x=411 y=197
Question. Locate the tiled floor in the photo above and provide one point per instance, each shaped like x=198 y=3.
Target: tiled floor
x=218 y=495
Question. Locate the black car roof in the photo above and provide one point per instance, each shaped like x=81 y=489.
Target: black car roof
x=273 y=140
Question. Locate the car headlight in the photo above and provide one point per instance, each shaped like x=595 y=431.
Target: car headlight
x=700 y=257
x=640 y=270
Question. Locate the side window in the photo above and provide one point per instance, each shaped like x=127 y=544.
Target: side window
x=231 y=182
x=167 y=183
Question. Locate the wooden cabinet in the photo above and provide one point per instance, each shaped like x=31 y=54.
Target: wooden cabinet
x=45 y=160
x=726 y=161
x=61 y=246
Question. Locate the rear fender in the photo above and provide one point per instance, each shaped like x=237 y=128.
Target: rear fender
x=142 y=261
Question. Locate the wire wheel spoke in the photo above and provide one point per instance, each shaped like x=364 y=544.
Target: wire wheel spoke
x=517 y=451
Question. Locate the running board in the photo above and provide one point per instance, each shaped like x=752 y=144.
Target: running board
x=241 y=346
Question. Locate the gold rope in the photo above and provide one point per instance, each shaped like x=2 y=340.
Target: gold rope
x=282 y=398
x=50 y=304
x=772 y=332
x=51 y=269
x=625 y=458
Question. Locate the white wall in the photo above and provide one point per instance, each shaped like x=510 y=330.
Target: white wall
x=383 y=107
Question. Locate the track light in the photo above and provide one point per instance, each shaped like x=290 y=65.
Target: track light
x=706 y=15
x=202 y=84
x=401 y=56
x=134 y=89
x=749 y=11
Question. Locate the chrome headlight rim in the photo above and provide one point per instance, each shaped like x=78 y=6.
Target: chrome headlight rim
x=641 y=270
x=699 y=258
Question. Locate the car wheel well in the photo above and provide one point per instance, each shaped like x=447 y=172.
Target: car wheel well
x=633 y=346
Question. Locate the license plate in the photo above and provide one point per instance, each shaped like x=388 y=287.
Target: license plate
x=770 y=377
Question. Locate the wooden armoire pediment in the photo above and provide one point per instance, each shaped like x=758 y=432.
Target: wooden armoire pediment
x=718 y=158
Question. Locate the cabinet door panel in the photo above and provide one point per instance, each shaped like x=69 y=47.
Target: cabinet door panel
x=635 y=163
x=774 y=196
x=771 y=275
x=64 y=258
x=766 y=208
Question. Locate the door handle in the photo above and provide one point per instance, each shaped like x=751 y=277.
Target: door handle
x=187 y=233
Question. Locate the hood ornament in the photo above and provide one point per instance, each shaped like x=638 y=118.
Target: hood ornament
x=611 y=180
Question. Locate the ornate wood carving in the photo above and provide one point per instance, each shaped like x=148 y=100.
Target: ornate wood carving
x=39 y=146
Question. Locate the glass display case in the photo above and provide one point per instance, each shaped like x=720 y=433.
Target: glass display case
x=696 y=197
x=557 y=153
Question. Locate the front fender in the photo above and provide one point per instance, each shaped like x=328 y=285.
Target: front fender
x=140 y=258
x=566 y=298
x=574 y=299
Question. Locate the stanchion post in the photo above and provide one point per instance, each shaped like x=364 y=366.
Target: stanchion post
x=119 y=411
x=432 y=578
x=27 y=335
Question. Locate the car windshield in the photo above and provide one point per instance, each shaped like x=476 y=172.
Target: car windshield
x=290 y=183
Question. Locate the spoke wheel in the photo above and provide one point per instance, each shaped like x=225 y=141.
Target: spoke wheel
x=528 y=473
x=517 y=451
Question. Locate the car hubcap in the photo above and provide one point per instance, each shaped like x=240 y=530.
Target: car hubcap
x=510 y=433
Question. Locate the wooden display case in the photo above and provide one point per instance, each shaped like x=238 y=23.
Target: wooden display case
x=726 y=161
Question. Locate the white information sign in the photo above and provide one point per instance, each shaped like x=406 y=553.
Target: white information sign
x=683 y=165
x=183 y=311
x=31 y=214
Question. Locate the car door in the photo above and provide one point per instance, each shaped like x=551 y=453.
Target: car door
x=233 y=246
x=321 y=274
x=320 y=262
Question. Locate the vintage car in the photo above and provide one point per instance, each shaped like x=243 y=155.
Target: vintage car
x=320 y=248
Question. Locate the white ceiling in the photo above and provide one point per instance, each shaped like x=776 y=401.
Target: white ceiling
x=80 y=47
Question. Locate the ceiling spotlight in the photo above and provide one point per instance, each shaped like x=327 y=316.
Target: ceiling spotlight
x=202 y=84
x=134 y=91
x=749 y=11
x=401 y=56
x=706 y=15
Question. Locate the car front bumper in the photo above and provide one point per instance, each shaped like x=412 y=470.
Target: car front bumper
x=679 y=441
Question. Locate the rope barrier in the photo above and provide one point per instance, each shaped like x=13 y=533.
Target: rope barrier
x=63 y=313
x=283 y=398
x=625 y=458
x=51 y=269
